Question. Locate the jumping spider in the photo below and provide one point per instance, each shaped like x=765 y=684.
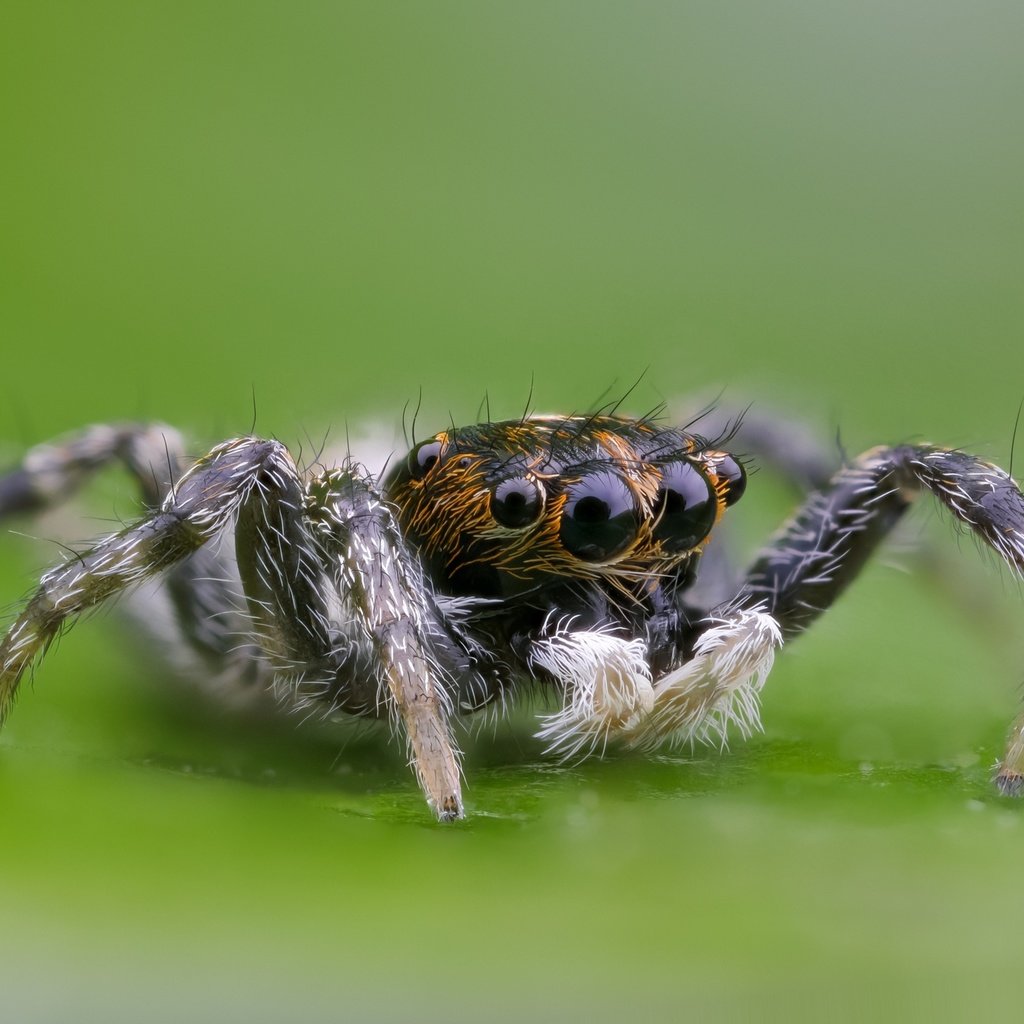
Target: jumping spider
x=548 y=551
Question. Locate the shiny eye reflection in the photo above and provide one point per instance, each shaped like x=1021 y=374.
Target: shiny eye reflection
x=423 y=458
x=599 y=519
x=735 y=476
x=517 y=503
x=685 y=506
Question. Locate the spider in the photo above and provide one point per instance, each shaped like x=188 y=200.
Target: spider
x=558 y=552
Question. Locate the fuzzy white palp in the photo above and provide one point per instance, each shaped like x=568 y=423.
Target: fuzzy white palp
x=718 y=688
x=608 y=689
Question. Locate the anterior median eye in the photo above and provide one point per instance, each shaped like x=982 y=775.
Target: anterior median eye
x=599 y=518
x=516 y=503
x=685 y=506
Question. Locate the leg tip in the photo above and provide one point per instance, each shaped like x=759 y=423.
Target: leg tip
x=450 y=810
x=1009 y=782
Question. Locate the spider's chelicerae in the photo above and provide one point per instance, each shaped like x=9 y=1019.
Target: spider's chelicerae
x=549 y=551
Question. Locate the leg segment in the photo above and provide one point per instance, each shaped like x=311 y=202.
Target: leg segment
x=51 y=472
x=823 y=547
x=282 y=572
x=358 y=533
x=203 y=502
x=199 y=589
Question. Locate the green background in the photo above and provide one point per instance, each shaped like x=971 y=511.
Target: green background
x=337 y=207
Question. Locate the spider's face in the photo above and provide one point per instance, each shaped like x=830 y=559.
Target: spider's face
x=500 y=508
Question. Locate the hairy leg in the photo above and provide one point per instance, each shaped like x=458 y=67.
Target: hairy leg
x=819 y=552
x=202 y=503
x=383 y=582
x=285 y=574
x=803 y=458
x=51 y=472
x=202 y=589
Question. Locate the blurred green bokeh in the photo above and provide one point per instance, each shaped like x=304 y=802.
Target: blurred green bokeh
x=334 y=208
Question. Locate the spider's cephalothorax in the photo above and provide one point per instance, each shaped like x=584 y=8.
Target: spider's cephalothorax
x=502 y=509
x=557 y=552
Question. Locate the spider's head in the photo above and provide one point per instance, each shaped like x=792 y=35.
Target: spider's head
x=501 y=508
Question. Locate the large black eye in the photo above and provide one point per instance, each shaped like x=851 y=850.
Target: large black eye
x=735 y=477
x=599 y=518
x=423 y=458
x=685 y=506
x=517 y=503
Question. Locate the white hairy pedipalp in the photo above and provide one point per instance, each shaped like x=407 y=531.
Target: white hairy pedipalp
x=610 y=695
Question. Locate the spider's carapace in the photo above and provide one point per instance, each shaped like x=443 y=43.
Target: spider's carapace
x=499 y=509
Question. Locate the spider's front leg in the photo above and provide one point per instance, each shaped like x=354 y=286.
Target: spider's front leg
x=819 y=552
x=302 y=550
x=255 y=483
x=381 y=580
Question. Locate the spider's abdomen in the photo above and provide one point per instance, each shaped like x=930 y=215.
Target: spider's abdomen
x=499 y=509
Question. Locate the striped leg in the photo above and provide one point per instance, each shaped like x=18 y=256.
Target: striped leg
x=288 y=575
x=201 y=589
x=819 y=552
x=201 y=504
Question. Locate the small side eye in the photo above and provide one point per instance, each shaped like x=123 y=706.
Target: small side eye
x=423 y=458
x=735 y=477
x=516 y=503
x=599 y=518
x=685 y=507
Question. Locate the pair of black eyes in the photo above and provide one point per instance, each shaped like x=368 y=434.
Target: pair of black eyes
x=600 y=517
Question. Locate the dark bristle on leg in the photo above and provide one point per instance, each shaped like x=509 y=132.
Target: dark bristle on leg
x=823 y=547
